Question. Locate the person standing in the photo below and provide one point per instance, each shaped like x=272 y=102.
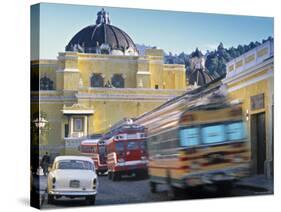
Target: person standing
x=45 y=163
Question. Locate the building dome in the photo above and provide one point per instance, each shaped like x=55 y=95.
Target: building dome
x=200 y=77
x=102 y=38
x=198 y=74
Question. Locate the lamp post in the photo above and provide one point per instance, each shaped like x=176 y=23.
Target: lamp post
x=40 y=123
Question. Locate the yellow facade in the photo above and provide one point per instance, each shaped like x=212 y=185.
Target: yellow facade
x=148 y=83
x=255 y=77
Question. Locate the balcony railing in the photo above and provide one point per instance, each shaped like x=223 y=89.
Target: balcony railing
x=250 y=59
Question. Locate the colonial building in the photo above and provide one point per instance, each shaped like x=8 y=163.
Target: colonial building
x=98 y=80
x=250 y=79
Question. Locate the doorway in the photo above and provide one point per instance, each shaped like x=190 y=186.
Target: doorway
x=258 y=142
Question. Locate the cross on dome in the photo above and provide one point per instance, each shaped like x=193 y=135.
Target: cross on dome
x=103 y=17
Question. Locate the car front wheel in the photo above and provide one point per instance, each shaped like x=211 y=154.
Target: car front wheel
x=91 y=199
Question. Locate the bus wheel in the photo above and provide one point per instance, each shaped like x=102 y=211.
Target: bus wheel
x=225 y=188
x=153 y=187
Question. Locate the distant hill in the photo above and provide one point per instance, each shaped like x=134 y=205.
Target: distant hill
x=215 y=61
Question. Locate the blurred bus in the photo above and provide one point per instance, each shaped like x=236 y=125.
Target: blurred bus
x=96 y=149
x=202 y=145
x=126 y=151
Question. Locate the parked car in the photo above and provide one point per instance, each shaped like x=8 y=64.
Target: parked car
x=72 y=176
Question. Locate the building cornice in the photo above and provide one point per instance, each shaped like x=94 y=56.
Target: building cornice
x=68 y=70
x=267 y=75
x=248 y=72
x=134 y=97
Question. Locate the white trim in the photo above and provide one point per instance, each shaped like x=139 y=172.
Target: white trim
x=53 y=102
x=136 y=89
x=119 y=60
x=72 y=70
x=123 y=96
x=46 y=64
x=161 y=101
x=44 y=92
x=268 y=45
x=113 y=60
x=252 y=81
x=54 y=98
x=251 y=71
x=143 y=73
x=63 y=56
x=82 y=112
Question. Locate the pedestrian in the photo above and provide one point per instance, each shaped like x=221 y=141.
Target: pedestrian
x=45 y=163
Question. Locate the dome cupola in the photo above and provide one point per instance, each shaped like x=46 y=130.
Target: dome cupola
x=102 y=38
x=198 y=75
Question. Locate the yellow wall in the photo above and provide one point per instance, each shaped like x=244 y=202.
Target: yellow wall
x=128 y=66
x=110 y=105
x=244 y=94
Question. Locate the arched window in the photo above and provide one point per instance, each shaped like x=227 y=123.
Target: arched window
x=118 y=81
x=97 y=81
x=46 y=84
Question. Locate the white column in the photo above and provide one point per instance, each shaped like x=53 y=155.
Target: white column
x=85 y=125
x=71 y=126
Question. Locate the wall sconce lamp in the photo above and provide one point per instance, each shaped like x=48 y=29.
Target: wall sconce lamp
x=247 y=115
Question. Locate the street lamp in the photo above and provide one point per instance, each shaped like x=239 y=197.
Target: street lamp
x=40 y=123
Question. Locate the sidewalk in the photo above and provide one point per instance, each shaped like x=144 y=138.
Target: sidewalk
x=258 y=182
x=40 y=182
x=43 y=182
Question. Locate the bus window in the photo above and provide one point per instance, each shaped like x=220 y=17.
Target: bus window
x=235 y=131
x=213 y=134
x=132 y=145
x=189 y=136
x=120 y=147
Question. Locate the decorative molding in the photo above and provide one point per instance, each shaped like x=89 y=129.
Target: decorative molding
x=77 y=109
x=124 y=96
x=143 y=73
x=63 y=56
x=53 y=98
x=161 y=101
x=248 y=72
x=252 y=81
x=69 y=70
x=113 y=60
x=139 y=89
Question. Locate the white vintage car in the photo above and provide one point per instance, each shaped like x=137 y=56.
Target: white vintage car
x=72 y=176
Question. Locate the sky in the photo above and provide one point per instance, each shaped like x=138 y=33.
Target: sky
x=171 y=31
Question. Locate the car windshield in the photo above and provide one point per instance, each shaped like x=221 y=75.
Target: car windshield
x=75 y=164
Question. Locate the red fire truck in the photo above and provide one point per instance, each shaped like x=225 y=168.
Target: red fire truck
x=126 y=151
x=96 y=149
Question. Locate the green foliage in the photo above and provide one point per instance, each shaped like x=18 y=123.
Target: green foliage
x=215 y=60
